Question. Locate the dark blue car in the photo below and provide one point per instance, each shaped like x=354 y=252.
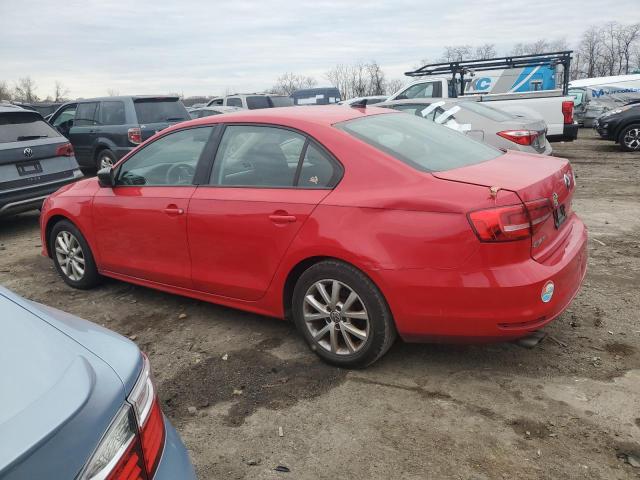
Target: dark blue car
x=77 y=402
x=103 y=130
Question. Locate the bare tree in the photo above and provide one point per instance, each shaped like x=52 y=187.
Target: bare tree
x=112 y=92
x=456 y=53
x=486 y=51
x=627 y=37
x=60 y=92
x=5 y=92
x=288 y=83
x=393 y=86
x=589 y=49
x=376 y=79
x=25 y=90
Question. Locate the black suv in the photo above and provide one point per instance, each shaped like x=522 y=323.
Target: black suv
x=103 y=130
x=622 y=125
x=35 y=160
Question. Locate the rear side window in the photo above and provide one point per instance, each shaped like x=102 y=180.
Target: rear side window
x=425 y=146
x=255 y=102
x=160 y=110
x=86 y=114
x=19 y=126
x=252 y=156
x=112 y=113
x=234 y=102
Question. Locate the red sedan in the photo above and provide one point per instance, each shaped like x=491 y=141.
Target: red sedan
x=356 y=223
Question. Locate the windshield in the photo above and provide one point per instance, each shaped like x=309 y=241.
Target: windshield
x=159 y=110
x=21 y=126
x=425 y=146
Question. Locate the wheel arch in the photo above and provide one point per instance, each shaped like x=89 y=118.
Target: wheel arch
x=302 y=265
x=621 y=128
x=51 y=222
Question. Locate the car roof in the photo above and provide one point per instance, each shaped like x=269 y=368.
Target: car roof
x=326 y=115
x=123 y=97
x=9 y=107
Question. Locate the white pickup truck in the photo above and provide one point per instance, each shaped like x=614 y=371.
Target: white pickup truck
x=554 y=106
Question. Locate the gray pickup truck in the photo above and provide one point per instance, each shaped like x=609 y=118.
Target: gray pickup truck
x=35 y=160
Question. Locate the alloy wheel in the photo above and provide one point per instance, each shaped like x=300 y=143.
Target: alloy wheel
x=70 y=255
x=632 y=139
x=336 y=317
x=106 y=161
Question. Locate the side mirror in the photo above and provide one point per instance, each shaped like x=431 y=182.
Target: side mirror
x=105 y=177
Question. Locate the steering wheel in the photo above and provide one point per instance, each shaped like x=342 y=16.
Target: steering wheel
x=180 y=174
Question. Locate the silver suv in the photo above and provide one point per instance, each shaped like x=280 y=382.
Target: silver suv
x=35 y=160
x=252 y=101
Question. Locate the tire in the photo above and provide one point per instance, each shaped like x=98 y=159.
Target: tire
x=105 y=158
x=65 y=235
x=337 y=338
x=629 y=138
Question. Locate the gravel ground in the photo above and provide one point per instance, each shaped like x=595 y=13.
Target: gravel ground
x=568 y=408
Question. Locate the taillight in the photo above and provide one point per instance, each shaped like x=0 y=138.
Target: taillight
x=64 y=150
x=511 y=222
x=135 y=135
x=521 y=137
x=567 y=111
x=132 y=447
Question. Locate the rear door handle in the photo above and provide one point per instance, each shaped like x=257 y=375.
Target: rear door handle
x=173 y=210
x=282 y=218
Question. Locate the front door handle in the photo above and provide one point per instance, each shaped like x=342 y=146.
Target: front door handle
x=173 y=210
x=282 y=218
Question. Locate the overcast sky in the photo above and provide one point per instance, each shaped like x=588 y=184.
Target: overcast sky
x=206 y=47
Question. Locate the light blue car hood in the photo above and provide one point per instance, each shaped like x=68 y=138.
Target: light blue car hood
x=62 y=379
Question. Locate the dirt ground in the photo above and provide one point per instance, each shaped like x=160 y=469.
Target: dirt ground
x=568 y=408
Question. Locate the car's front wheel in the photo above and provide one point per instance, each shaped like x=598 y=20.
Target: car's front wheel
x=630 y=138
x=342 y=315
x=72 y=256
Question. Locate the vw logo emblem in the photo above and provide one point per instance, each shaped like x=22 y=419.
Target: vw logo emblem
x=567 y=181
x=555 y=199
x=28 y=152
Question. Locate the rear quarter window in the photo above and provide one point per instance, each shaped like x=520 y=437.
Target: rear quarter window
x=425 y=146
x=22 y=126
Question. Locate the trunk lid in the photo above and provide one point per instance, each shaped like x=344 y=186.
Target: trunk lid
x=531 y=177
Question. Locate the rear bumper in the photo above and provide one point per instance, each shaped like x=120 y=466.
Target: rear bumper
x=569 y=134
x=175 y=462
x=489 y=304
x=30 y=198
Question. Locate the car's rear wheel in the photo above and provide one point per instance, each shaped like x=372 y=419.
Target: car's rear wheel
x=342 y=315
x=72 y=256
x=630 y=138
x=105 y=159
